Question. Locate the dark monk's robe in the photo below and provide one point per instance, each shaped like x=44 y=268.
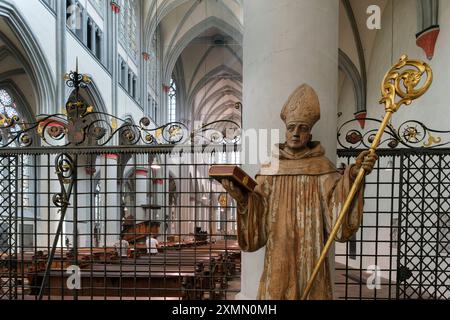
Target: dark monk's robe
x=291 y=212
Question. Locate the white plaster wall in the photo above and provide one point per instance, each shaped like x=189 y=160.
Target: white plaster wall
x=347 y=43
x=89 y=65
x=42 y=22
x=435 y=102
x=128 y=106
x=347 y=101
x=431 y=109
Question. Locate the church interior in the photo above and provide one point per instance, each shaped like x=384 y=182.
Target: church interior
x=113 y=114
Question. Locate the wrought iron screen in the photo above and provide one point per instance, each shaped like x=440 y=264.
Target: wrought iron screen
x=424 y=226
x=117 y=198
x=401 y=249
x=97 y=207
x=8 y=226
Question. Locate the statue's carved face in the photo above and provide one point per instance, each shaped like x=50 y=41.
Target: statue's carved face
x=298 y=134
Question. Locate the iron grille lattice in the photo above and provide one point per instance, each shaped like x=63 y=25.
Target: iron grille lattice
x=424 y=234
x=107 y=225
x=8 y=227
x=405 y=232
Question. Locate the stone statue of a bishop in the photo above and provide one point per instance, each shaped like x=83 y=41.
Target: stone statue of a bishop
x=295 y=205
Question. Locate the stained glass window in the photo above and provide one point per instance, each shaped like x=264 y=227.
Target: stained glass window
x=153 y=64
x=132 y=27
x=128 y=26
x=8 y=110
x=5 y=97
x=172 y=101
x=122 y=22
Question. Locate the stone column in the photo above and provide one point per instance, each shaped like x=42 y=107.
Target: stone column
x=130 y=82
x=287 y=43
x=47 y=186
x=99 y=50
x=93 y=37
x=126 y=83
x=120 y=62
x=61 y=57
x=113 y=55
x=111 y=196
x=134 y=93
x=85 y=202
x=141 y=194
x=71 y=9
x=84 y=16
x=145 y=103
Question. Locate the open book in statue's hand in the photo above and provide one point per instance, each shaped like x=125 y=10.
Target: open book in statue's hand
x=235 y=174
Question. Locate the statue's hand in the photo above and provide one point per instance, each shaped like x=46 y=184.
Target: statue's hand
x=365 y=160
x=234 y=192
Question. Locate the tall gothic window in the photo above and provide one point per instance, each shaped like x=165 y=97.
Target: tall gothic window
x=128 y=26
x=153 y=65
x=172 y=101
x=20 y=171
x=8 y=110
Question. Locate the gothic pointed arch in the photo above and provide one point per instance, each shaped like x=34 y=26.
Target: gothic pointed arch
x=35 y=62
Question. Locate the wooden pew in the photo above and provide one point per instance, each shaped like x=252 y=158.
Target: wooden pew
x=185 y=271
x=206 y=267
x=128 y=280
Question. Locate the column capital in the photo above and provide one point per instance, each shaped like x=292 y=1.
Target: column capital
x=112 y=156
x=141 y=172
x=146 y=56
x=115 y=7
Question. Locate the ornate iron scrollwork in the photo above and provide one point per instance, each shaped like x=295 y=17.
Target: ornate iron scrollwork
x=98 y=129
x=81 y=125
x=410 y=134
x=65 y=170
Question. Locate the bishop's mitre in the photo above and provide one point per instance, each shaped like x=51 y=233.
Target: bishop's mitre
x=302 y=106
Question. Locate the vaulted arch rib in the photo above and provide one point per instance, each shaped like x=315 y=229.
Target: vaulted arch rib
x=172 y=56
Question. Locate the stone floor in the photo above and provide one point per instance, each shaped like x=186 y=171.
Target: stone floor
x=348 y=285
x=353 y=285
